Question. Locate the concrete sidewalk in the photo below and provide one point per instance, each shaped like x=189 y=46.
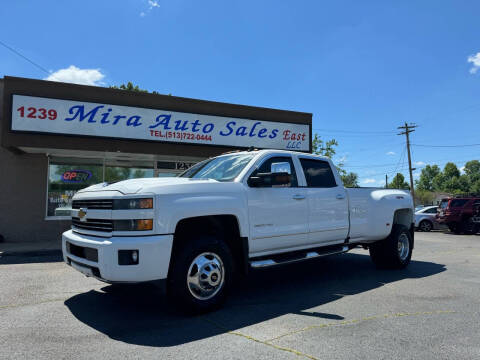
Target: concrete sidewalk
x=30 y=248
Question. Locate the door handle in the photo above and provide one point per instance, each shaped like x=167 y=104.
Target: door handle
x=340 y=196
x=298 y=197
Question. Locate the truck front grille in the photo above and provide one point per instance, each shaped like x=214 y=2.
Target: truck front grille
x=100 y=204
x=104 y=225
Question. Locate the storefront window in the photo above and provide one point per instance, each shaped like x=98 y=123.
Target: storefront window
x=69 y=175
x=123 y=170
x=66 y=177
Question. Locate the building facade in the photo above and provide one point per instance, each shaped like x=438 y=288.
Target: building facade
x=57 y=138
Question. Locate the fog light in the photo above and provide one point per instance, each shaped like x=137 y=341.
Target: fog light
x=135 y=256
x=128 y=257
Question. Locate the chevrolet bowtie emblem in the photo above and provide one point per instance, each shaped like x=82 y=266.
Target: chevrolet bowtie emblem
x=82 y=214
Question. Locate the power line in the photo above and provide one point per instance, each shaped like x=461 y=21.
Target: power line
x=400 y=160
x=445 y=146
x=24 y=57
x=404 y=167
x=355 y=131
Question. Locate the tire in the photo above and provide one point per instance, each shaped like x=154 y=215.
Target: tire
x=455 y=228
x=200 y=275
x=469 y=227
x=395 y=252
x=425 y=225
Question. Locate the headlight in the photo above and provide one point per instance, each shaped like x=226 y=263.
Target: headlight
x=127 y=204
x=133 y=225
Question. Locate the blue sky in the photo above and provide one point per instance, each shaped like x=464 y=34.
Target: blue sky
x=361 y=67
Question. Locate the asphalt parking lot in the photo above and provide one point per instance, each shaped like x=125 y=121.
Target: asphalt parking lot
x=338 y=307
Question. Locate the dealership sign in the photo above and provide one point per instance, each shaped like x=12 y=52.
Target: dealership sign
x=45 y=115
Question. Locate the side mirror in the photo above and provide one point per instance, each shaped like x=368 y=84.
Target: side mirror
x=269 y=179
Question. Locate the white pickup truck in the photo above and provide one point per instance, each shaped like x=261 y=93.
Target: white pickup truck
x=231 y=213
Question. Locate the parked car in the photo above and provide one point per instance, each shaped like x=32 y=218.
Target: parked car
x=425 y=219
x=476 y=212
x=457 y=214
x=235 y=212
x=419 y=207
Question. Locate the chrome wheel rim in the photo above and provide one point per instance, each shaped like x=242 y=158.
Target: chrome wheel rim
x=425 y=226
x=403 y=246
x=206 y=276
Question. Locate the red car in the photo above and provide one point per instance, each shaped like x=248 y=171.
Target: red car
x=458 y=213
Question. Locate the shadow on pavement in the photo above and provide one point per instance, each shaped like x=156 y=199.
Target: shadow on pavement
x=139 y=314
x=46 y=256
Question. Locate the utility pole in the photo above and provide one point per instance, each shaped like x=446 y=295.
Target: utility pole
x=407 y=130
x=386 y=181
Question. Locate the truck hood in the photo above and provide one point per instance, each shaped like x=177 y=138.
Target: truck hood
x=134 y=186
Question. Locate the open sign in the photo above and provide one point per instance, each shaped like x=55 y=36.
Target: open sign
x=76 y=176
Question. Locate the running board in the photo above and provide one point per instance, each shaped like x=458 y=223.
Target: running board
x=296 y=256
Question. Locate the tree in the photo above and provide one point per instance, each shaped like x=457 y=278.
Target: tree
x=450 y=180
x=319 y=147
x=426 y=177
x=451 y=171
x=472 y=173
x=472 y=168
x=350 y=180
x=424 y=197
x=475 y=187
x=130 y=87
x=399 y=182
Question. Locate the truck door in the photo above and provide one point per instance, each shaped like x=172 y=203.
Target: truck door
x=277 y=215
x=327 y=203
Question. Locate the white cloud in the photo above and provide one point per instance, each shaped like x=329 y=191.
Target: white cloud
x=475 y=60
x=75 y=75
x=462 y=170
x=369 y=181
x=419 y=163
x=391 y=153
x=151 y=5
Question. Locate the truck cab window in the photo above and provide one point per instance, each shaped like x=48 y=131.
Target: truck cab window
x=318 y=173
x=280 y=164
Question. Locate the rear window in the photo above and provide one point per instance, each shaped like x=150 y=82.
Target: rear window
x=458 y=203
x=318 y=173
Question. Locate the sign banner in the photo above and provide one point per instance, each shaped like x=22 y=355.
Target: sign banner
x=45 y=115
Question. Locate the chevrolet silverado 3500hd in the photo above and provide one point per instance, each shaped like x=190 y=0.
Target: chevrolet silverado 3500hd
x=234 y=212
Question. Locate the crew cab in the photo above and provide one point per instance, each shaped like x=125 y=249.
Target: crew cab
x=237 y=212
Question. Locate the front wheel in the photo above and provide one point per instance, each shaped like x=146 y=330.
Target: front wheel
x=395 y=252
x=425 y=225
x=200 y=275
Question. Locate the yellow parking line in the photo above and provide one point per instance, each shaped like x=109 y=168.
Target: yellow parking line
x=282 y=348
x=10 y=306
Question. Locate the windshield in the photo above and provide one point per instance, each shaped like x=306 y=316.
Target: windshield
x=444 y=204
x=222 y=168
